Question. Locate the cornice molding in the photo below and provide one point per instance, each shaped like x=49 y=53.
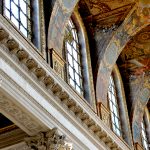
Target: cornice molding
x=18 y=116
x=25 y=55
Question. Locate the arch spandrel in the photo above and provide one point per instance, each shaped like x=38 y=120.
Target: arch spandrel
x=133 y=23
x=61 y=13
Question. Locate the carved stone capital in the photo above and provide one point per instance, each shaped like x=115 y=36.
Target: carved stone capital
x=50 y=140
x=104 y=114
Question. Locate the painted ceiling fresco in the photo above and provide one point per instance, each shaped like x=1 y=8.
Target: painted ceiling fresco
x=135 y=58
x=134 y=61
x=104 y=13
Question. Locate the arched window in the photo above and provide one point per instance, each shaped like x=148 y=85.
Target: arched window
x=73 y=58
x=145 y=128
x=144 y=136
x=78 y=72
x=113 y=105
x=19 y=12
x=27 y=16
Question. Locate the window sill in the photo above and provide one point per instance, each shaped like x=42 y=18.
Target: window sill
x=19 y=33
x=75 y=103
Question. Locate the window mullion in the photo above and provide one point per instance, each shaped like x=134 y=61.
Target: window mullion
x=74 y=70
x=10 y=10
x=19 y=9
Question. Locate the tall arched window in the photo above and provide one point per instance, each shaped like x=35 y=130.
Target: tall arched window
x=117 y=105
x=113 y=105
x=144 y=136
x=19 y=12
x=145 y=128
x=76 y=53
x=28 y=17
x=73 y=58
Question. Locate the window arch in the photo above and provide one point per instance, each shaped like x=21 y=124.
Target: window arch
x=145 y=128
x=77 y=56
x=113 y=105
x=144 y=136
x=117 y=105
x=73 y=58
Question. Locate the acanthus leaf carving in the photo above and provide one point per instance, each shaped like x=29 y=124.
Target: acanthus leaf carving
x=50 y=140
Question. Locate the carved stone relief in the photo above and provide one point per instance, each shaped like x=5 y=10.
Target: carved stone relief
x=50 y=140
x=18 y=115
x=87 y=117
x=58 y=63
x=104 y=114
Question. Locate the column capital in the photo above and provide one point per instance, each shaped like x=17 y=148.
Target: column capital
x=50 y=140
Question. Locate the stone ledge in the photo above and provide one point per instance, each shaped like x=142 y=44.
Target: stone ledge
x=20 y=49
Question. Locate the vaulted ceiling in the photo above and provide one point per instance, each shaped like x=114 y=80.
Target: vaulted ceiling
x=104 y=13
x=135 y=58
x=134 y=61
x=102 y=18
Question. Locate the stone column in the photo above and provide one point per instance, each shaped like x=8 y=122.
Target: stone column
x=50 y=140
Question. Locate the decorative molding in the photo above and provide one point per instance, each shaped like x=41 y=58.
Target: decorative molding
x=8 y=108
x=42 y=29
x=78 y=109
x=57 y=63
x=104 y=114
x=50 y=140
